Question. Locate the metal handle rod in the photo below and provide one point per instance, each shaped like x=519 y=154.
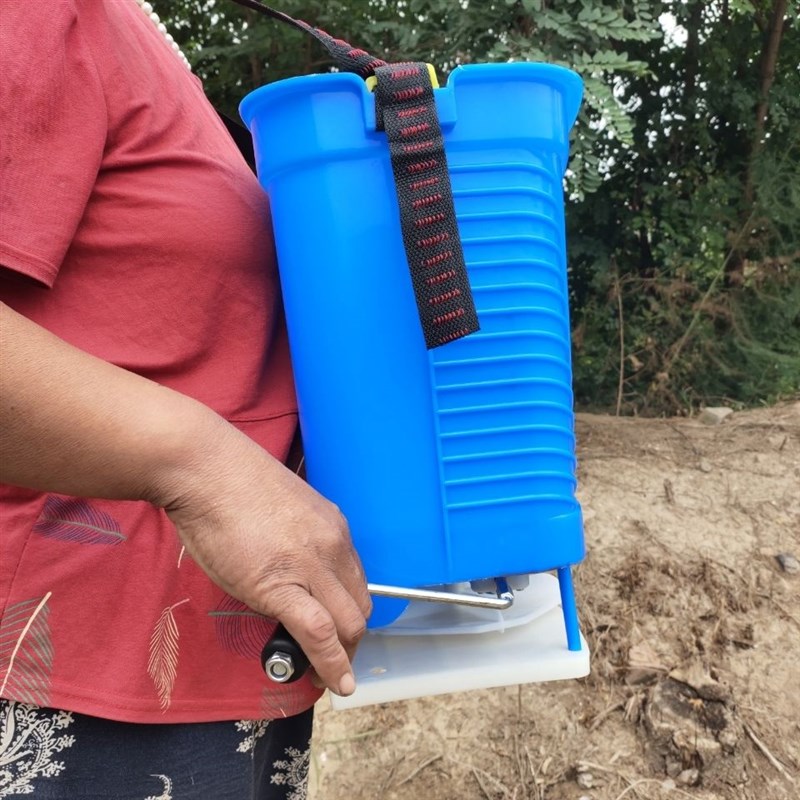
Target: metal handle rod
x=284 y=661
x=504 y=599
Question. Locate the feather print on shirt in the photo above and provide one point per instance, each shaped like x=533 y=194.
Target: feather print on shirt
x=241 y=630
x=26 y=652
x=162 y=666
x=72 y=519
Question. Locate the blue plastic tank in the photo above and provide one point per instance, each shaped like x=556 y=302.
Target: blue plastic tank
x=458 y=463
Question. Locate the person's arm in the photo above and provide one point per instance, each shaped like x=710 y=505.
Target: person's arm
x=74 y=424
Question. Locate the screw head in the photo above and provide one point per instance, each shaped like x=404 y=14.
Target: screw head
x=279 y=667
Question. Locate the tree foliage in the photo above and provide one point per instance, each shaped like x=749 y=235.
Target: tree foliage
x=684 y=182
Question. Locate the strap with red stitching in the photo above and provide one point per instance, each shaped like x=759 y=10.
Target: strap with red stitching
x=406 y=110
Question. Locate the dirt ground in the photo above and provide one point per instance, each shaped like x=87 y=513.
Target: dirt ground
x=694 y=628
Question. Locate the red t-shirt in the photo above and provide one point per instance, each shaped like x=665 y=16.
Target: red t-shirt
x=131 y=227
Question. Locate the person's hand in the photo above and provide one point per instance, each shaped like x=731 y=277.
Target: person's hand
x=270 y=540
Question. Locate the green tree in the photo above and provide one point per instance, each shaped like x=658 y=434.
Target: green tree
x=686 y=258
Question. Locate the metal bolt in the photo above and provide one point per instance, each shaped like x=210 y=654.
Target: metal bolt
x=279 y=667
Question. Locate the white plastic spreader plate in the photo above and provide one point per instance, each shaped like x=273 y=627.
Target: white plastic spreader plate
x=529 y=647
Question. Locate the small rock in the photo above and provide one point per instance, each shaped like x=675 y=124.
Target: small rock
x=705 y=465
x=674 y=768
x=585 y=780
x=668 y=785
x=689 y=777
x=788 y=563
x=713 y=415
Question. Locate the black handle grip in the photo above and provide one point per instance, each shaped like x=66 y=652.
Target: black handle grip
x=282 y=658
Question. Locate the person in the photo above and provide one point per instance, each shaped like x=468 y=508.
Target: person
x=151 y=533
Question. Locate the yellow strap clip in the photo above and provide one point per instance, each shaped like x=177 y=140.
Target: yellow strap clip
x=372 y=81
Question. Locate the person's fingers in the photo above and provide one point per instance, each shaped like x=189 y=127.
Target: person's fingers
x=314 y=629
x=317 y=681
x=349 y=618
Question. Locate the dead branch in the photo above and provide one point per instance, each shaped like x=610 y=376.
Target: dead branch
x=767 y=754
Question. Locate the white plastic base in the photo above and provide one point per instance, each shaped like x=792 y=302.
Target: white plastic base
x=398 y=667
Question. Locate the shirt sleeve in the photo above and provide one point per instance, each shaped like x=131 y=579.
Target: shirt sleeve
x=53 y=125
